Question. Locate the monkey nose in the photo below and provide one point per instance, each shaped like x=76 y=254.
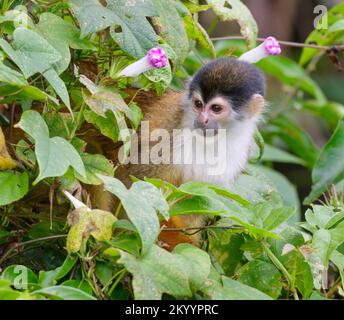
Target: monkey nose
x=204 y=118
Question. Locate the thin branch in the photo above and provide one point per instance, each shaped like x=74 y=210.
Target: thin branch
x=17 y=245
x=199 y=229
x=286 y=43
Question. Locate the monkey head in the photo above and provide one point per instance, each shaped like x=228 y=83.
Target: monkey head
x=226 y=90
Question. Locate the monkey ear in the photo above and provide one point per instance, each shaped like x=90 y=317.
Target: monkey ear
x=256 y=104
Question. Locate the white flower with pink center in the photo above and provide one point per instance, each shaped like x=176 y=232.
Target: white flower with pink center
x=270 y=47
x=156 y=58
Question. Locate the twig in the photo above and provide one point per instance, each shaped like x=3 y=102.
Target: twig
x=17 y=245
x=285 y=43
x=282 y=268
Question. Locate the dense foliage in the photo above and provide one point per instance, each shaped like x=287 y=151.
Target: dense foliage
x=59 y=65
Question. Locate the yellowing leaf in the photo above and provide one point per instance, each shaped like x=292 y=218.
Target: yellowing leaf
x=6 y=162
x=84 y=223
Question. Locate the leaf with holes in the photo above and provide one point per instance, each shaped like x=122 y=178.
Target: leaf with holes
x=155 y=273
x=229 y=10
x=85 y=223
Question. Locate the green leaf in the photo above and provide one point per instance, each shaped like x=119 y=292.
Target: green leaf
x=196 y=32
x=324 y=36
x=49 y=278
x=95 y=164
x=295 y=138
x=338 y=259
x=290 y=73
x=274 y=154
x=300 y=272
x=329 y=168
x=229 y=10
x=155 y=273
x=107 y=125
x=12 y=77
x=277 y=216
x=196 y=263
x=34 y=54
x=64 y=293
x=330 y=111
x=103 y=100
x=263 y=276
x=54 y=155
x=61 y=35
x=225 y=249
x=171 y=27
x=130 y=27
x=20 y=277
x=82 y=285
x=140 y=202
x=136 y=36
x=337 y=26
x=235 y=290
x=84 y=223
x=13 y=186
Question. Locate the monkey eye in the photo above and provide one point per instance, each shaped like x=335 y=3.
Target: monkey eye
x=198 y=104
x=216 y=108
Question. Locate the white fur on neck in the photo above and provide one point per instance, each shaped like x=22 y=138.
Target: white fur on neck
x=239 y=138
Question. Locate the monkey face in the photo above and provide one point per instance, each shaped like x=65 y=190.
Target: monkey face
x=211 y=115
x=226 y=90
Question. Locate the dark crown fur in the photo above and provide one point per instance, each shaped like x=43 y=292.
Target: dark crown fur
x=234 y=79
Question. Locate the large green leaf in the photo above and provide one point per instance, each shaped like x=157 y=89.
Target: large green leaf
x=229 y=289
x=34 y=54
x=196 y=263
x=64 y=293
x=229 y=10
x=136 y=35
x=140 y=202
x=131 y=29
x=61 y=35
x=157 y=272
x=171 y=27
x=263 y=276
x=95 y=164
x=13 y=186
x=12 y=77
x=274 y=154
x=54 y=155
x=286 y=189
x=49 y=278
x=330 y=166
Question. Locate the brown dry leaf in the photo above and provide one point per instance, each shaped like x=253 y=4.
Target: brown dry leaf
x=6 y=162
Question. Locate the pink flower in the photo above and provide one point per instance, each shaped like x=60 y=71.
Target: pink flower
x=156 y=58
x=270 y=47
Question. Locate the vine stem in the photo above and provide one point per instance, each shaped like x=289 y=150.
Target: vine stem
x=285 y=43
x=282 y=268
x=17 y=245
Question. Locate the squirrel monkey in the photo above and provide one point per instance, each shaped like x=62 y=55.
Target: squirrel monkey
x=225 y=95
